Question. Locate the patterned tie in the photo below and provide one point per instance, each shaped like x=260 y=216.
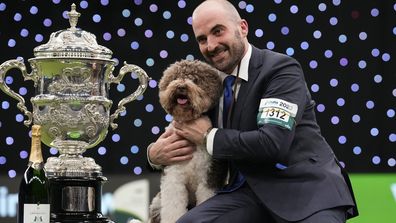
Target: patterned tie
x=228 y=98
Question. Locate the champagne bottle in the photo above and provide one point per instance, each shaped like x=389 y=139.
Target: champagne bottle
x=33 y=198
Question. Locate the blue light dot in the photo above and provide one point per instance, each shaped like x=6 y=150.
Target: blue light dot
x=357 y=150
x=107 y=36
x=376 y=160
x=294 y=9
x=11 y=42
x=386 y=57
x=138 y=22
x=9 y=80
x=363 y=35
x=138 y=2
x=317 y=34
x=390 y=113
x=168 y=117
x=163 y=54
x=184 y=37
x=23 y=154
x=84 y=4
x=313 y=64
x=378 y=78
x=155 y=130
x=153 y=8
x=374 y=12
x=304 y=45
x=124 y=160
x=137 y=122
x=12 y=173
x=314 y=88
x=121 y=32
x=140 y=97
x=328 y=53
x=342 y=38
x=309 y=19
x=148 y=33
x=123 y=113
x=170 y=34
x=340 y=102
x=149 y=107
x=272 y=17
x=167 y=15
x=322 y=7
x=333 y=82
x=153 y=83
x=53 y=151
x=375 y=52
x=374 y=132
x=362 y=64
x=134 y=149
x=3 y=160
x=190 y=57
x=320 y=107
x=102 y=150
x=104 y=2
x=370 y=104
x=392 y=137
x=270 y=45
x=39 y=38
x=394 y=92
x=342 y=139
x=96 y=18
x=242 y=4
x=47 y=22
x=290 y=51
x=120 y=87
x=33 y=10
x=336 y=2
x=19 y=118
x=356 y=118
x=137 y=170
x=126 y=13
x=17 y=17
x=150 y=62
x=135 y=45
x=9 y=140
x=5 y=105
x=115 y=137
x=278 y=1
x=24 y=32
x=249 y=8
x=335 y=120
x=2 y=6
x=285 y=30
x=333 y=21
x=259 y=32
x=355 y=87
x=391 y=162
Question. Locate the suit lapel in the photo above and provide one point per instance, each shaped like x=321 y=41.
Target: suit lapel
x=253 y=71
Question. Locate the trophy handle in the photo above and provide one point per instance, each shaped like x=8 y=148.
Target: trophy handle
x=4 y=68
x=143 y=81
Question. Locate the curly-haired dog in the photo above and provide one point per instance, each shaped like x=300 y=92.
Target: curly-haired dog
x=187 y=89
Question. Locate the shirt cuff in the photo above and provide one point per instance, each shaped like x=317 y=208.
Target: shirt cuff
x=154 y=166
x=210 y=141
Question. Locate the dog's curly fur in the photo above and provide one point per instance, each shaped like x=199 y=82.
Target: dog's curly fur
x=187 y=89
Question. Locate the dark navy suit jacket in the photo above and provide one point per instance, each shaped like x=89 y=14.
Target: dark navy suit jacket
x=293 y=171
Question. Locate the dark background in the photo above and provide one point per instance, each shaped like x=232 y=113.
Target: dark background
x=346 y=49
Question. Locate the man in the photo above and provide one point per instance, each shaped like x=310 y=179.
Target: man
x=281 y=168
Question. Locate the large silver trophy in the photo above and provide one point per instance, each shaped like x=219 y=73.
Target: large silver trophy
x=72 y=76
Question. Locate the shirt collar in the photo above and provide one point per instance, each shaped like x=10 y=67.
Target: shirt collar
x=243 y=70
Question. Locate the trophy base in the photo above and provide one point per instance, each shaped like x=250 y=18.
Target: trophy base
x=76 y=200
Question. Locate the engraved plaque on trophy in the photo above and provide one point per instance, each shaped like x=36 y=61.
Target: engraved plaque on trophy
x=72 y=75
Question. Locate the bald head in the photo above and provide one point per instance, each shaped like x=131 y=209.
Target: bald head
x=222 y=7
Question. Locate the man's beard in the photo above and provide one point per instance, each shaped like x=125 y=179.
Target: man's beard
x=235 y=54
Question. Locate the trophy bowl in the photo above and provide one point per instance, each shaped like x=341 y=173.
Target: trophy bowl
x=72 y=75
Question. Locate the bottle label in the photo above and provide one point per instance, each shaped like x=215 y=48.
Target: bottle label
x=34 y=213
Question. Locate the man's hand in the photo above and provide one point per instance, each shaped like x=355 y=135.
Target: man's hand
x=195 y=130
x=170 y=148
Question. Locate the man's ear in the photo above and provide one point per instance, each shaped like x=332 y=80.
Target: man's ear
x=244 y=27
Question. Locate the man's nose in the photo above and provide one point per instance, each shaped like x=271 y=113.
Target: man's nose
x=212 y=44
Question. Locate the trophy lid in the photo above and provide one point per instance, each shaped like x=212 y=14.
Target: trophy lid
x=72 y=43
